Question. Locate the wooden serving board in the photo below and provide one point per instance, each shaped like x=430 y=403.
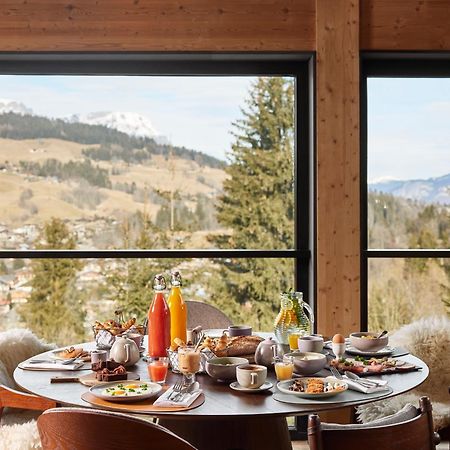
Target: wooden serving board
x=142 y=407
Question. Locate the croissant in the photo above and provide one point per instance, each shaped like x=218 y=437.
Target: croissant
x=129 y=323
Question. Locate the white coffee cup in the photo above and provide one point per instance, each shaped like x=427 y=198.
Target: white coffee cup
x=251 y=376
x=310 y=344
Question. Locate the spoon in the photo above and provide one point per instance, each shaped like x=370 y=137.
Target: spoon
x=382 y=334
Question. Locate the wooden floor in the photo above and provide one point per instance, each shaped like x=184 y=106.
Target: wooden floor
x=303 y=445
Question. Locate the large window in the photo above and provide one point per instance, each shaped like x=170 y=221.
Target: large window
x=406 y=256
x=113 y=169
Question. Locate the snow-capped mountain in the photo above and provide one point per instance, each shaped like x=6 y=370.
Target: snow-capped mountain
x=7 y=105
x=131 y=123
x=432 y=190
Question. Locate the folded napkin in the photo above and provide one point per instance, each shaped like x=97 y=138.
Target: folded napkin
x=187 y=399
x=51 y=366
x=356 y=386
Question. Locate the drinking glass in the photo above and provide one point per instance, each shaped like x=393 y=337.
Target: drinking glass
x=188 y=364
x=157 y=369
x=284 y=368
x=293 y=339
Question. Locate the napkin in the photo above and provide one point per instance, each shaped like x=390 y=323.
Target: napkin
x=187 y=401
x=356 y=386
x=51 y=366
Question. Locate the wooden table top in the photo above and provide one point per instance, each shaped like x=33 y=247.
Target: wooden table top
x=220 y=399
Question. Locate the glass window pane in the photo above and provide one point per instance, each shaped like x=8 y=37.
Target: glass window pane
x=60 y=299
x=147 y=161
x=402 y=290
x=408 y=162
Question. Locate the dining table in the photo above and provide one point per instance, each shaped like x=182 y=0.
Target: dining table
x=228 y=419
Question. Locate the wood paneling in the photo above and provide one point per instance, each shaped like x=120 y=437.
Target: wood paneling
x=405 y=24
x=338 y=209
x=156 y=25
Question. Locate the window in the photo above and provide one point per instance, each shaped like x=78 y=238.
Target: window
x=406 y=190
x=115 y=168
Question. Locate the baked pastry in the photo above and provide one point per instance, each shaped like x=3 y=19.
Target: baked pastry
x=119 y=373
x=110 y=365
x=232 y=346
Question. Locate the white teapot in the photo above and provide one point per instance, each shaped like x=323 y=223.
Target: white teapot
x=124 y=351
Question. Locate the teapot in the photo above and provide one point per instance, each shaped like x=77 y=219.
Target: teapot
x=267 y=350
x=124 y=351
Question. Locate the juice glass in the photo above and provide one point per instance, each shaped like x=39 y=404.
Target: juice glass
x=284 y=369
x=293 y=340
x=188 y=363
x=157 y=369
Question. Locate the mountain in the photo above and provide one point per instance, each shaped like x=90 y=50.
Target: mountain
x=431 y=190
x=130 y=123
x=12 y=106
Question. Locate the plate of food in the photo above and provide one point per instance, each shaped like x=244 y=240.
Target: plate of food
x=369 y=366
x=70 y=353
x=133 y=391
x=386 y=351
x=313 y=387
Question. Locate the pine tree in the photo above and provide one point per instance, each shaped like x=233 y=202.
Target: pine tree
x=258 y=204
x=54 y=310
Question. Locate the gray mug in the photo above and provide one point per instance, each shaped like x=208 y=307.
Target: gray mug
x=239 y=330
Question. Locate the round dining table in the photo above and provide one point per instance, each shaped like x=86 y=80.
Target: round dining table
x=228 y=419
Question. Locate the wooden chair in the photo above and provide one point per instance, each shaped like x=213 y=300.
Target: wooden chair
x=413 y=434
x=206 y=315
x=89 y=429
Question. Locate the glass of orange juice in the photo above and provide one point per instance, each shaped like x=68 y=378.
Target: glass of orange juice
x=284 y=369
x=293 y=339
x=157 y=369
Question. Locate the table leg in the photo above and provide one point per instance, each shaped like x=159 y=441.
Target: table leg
x=239 y=433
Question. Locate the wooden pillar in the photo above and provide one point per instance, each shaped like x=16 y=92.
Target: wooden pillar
x=338 y=197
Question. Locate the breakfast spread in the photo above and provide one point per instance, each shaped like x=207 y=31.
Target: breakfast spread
x=232 y=346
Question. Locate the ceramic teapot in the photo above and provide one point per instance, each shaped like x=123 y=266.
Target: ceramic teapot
x=266 y=350
x=124 y=351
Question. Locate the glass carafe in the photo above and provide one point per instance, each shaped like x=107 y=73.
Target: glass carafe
x=295 y=316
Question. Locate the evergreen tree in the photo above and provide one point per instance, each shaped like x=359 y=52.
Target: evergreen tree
x=257 y=204
x=54 y=310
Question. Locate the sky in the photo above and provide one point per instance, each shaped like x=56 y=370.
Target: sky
x=408 y=119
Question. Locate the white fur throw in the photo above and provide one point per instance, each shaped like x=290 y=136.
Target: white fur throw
x=15 y=346
x=429 y=340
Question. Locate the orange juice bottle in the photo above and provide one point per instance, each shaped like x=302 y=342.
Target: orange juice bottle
x=178 y=311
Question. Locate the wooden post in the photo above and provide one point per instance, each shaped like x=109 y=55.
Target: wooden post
x=338 y=199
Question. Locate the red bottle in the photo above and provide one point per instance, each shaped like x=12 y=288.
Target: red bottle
x=158 y=320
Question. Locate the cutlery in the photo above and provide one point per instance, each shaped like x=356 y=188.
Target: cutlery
x=382 y=334
x=186 y=391
x=177 y=387
x=363 y=381
x=52 y=361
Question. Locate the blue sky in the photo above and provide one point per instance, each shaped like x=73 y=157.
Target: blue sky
x=409 y=119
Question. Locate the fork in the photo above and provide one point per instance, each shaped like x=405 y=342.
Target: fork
x=177 y=388
x=336 y=373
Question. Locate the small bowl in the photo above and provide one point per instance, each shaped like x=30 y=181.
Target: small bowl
x=368 y=344
x=307 y=363
x=224 y=369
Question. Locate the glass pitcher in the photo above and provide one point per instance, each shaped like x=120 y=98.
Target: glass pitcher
x=295 y=316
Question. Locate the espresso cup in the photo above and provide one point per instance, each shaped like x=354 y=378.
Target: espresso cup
x=310 y=344
x=239 y=330
x=251 y=376
x=98 y=355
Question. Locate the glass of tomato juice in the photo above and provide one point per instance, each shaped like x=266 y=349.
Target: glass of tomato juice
x=157 y=369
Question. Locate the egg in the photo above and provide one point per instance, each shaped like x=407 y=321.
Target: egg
x=338 y=339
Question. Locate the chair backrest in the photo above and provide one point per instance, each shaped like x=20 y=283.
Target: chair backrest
x=206 y=315
x=414 y=434
x=89 y=429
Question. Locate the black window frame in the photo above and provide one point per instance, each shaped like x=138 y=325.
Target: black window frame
x=390 y=65
x=298 y=65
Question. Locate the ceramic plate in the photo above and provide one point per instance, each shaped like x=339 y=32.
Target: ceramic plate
x=57 y=354
x=142 y=390
x=386 y=351
x=237 y=387
x=283 y=386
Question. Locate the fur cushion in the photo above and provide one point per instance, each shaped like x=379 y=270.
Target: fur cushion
x=20 y=437
x=429 y=340
x=15 y=346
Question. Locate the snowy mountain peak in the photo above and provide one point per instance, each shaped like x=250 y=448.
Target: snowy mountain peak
x=131 y=123
x=7 y=106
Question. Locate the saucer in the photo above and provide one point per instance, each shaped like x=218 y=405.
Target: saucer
x=237 y=387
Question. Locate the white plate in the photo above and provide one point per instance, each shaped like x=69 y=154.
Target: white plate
x=237 y=387
x=98 y=391
x=386 y=351
x=283 y=386
x=55 y=353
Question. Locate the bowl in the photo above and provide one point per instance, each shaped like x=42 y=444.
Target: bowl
x=307 y=363
x=224 y=369
x=368 y=344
